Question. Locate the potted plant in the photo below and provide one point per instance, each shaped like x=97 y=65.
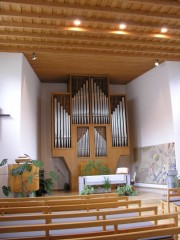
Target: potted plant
x=25 y=179
x=95 y=167
x=87 y=190
x=107 y=185
x=126 y=190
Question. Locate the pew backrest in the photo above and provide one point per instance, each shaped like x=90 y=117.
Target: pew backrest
x=80 y=216
x=173 y=195
x=169 y=232
x=64 y=197
x=73 y=207
x=57 y=201
x=87 y=228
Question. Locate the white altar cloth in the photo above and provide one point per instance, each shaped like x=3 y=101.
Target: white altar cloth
x=99 y=180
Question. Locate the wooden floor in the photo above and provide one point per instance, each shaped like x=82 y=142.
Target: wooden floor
x=143 y=193
x=149 y=196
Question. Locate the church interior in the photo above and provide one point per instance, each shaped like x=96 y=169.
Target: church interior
x=89 y=107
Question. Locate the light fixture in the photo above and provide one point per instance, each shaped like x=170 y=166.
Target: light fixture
x=122 y=26
x=34 y=57
x=156 y=63
x=77 y=22
x=163 y=30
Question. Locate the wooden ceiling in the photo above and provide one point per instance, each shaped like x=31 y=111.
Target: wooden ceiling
x=97 y=45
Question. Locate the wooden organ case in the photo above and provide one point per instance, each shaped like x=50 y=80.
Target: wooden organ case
x=89 y=124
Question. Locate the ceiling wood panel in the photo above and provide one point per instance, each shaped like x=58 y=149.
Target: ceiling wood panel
x=97 y=46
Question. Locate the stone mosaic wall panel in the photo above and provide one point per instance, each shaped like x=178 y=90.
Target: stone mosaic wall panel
x=153 y=162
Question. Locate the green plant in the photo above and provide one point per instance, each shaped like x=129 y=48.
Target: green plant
x=95 y=167
x=87 y=190
x=107 y=183
x=126 y=190
x=28 y=172
x=3 y=162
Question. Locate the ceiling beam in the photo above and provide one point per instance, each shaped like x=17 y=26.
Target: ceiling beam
x=95 y=47
x=87 y=7
x=70 y=51
x=65 y=52
x=109 y=40
x=87 y=30
x=112 y=21
x=170 y=3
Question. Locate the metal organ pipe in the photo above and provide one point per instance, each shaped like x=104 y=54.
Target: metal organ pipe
x=119 y=131
x=100 y=144
x=83 y=145
x=55 y=123
x=80 y=105
x=62 y=133
x=100 y=106
x=81 y=115
x=124 y=122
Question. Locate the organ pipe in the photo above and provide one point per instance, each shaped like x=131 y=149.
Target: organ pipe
x=80 y=105
x=100 y=106
x=83 y=147
x=100 y=142
x=62 y=123
x=118 y=125
x=90 y=102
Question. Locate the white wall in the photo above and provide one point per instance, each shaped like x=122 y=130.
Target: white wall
x=30 y=112
x=150 y=111
x=117 y=89
x=19 y=97
x=150 y=108
x=174 y=76
x=10 y=103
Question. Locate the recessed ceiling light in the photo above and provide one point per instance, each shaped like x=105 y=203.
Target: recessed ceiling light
x=164 y=30
x=77 y=22
x=122 y=26
x=156 y=63
x=34 y=56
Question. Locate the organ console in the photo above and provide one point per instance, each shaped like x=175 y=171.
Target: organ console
x=89 y=123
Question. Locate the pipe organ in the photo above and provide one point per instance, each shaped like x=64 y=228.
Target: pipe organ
x=80 y=104
x=62 y=123
x=83 y=146
x=118 y=121
x=100 y=141
x=89 y=123
x=100 y=102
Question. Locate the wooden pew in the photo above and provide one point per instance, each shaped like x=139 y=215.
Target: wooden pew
x=97 y=206
x=68 y=217
x=52 y=201
x=154 y=233
x=173 y=195
x=60 y=197
x=73 y=207
x=176 y=206
x=91 y=228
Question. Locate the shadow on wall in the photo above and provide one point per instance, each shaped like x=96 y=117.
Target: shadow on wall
x=124 y=161
x=63 y=174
